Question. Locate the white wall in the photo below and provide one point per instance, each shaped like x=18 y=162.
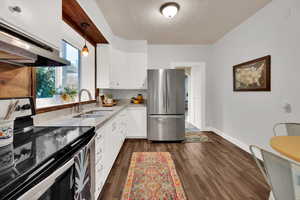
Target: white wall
x=123 y=94
x=162 y=56
x=87 y=79
x=249 y=116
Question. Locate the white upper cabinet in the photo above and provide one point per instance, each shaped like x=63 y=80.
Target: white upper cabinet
x=118 y=69
x=138 y=66
x=103 y=66
x=40 y=19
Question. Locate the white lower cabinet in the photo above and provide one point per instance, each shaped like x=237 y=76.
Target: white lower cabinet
x=99 y=161
x=130 y=122
x=108 y=142
x=137 y=122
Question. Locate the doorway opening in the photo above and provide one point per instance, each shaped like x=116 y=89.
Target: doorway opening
x=194 y=95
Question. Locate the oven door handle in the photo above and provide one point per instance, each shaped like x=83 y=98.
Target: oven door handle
x=37 y=191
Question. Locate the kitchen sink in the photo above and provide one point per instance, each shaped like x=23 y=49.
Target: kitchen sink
x=99 y=112
x=88 y=116
x=94 y=114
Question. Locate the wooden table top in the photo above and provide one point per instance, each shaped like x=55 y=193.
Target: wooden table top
x=287 y=145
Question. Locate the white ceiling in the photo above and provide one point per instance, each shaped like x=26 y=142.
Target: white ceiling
x=198 y=21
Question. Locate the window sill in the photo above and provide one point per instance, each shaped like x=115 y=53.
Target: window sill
x=62 y=106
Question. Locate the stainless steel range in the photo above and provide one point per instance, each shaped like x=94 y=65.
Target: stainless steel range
x=44 y=163
x=166 y=110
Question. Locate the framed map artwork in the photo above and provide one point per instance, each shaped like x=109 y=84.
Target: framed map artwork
x=254 y=75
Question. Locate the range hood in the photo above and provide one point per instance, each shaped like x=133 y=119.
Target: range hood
x=19 y=49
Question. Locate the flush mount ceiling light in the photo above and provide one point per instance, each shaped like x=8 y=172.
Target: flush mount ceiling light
x=170 y=9
x=85 y=49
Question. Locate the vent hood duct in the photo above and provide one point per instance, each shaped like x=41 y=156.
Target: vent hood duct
x=19 y=49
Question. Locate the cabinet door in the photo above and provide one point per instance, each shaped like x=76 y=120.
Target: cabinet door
x=107 y=150
x=103 y=66
x=137 y=122
x=124 y=124
x=138 y=69
x=99 y=146
x=99 y=176
x=115 y=70
x=39 y=18
x=119 y=70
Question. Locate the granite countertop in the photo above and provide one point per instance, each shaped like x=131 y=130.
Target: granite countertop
x=98 y=122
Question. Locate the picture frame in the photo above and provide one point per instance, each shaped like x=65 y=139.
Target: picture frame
x=254 y=75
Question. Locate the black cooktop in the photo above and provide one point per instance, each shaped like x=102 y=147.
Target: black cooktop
x=34 y=149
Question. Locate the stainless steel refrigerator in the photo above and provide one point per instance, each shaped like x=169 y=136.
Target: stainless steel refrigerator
x=166 y=105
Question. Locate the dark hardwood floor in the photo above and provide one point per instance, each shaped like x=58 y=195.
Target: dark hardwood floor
x=216 y=170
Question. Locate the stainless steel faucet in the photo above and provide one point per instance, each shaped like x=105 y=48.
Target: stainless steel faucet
x=79 y=109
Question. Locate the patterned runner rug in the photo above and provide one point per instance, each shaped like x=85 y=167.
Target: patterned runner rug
x=152 y=176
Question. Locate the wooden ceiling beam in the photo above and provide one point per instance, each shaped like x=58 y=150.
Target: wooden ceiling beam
x=74 y=16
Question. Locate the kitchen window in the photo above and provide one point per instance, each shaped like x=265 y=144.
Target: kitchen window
x=59 y=85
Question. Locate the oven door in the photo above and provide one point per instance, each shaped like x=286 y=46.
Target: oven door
x=59 y=185
x=71 y=181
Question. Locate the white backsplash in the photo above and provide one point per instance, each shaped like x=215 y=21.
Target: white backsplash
x=123 y=94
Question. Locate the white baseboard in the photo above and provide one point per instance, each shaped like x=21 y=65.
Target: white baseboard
x=205 y=129
x=233 y=140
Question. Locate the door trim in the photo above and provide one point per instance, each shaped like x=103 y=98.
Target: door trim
x=202 y=65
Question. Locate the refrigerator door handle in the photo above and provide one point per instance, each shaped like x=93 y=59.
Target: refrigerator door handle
x=167 y=99
x=167 y=116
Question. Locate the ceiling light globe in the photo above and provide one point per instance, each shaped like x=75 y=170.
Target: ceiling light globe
x=169 y=10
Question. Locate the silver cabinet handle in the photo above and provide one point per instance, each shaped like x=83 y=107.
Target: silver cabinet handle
x=15 y=9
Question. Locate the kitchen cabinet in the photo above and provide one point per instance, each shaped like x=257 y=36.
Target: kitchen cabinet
x=99 y=162
x=40 y=19
x=123 y=126
x=103 y=66
x=138 y=66
x=117 y=69
x=130 y=122
x=108 y=142
x=137 y=122
x=110 y=71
